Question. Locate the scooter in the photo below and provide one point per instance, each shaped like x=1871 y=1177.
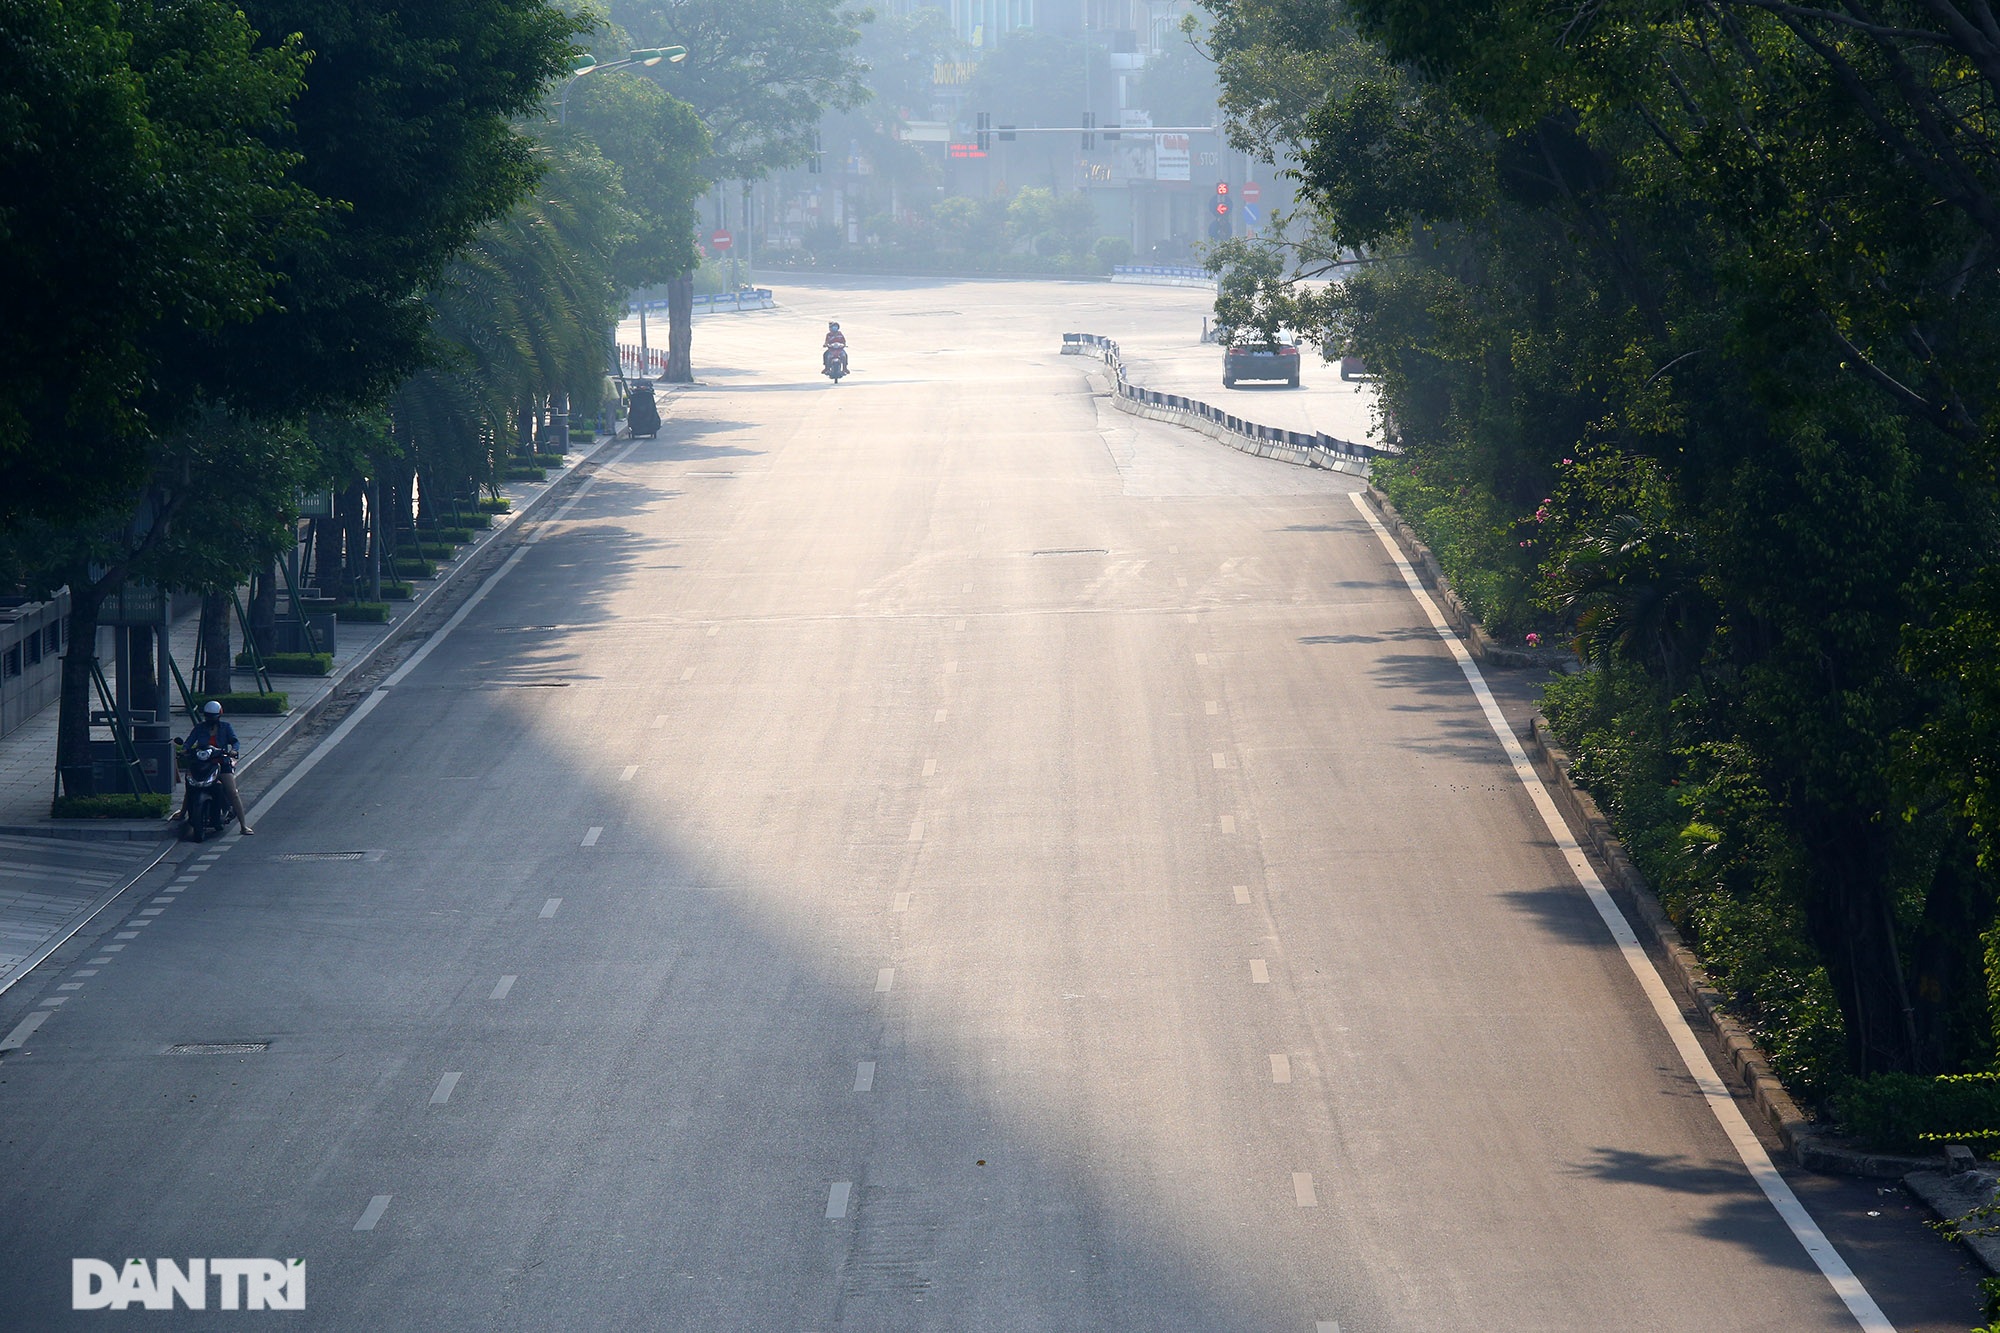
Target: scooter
x=207 y=802
x=834 y=363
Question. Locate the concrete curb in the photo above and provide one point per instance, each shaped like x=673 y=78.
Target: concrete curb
x=1810 y=1146
x=1283 y=453
x=1955 y=1197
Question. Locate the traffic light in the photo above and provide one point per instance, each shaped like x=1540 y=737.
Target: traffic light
x=983 y=136
x=1221 y=199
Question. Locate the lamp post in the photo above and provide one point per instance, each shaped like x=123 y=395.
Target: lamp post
x=647 y=57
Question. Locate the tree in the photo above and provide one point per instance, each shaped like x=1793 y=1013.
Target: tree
x=656 y=143
x=759 y=73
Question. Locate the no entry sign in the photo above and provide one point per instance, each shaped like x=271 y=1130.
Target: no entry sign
x=720 y=241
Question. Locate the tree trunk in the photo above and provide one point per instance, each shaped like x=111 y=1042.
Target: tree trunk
x=1850 y=916
x=680 y=330
x=264 y=610
x=216 y=666
x=326 y=533
x=144 y=690
x=73 y=708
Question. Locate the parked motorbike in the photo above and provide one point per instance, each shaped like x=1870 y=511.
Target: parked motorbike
x=834 y=363
x=207 y=808
x=642 y=414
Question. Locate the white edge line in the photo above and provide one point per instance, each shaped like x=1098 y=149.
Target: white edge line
x=1727 y=1114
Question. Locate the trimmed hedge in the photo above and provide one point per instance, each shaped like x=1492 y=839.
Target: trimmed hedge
x=524 y=474
x=1911 y=1113
x=395 y=590
x=478 y=519
x=248 y=703
x=490 y=505
x=291 y=664
x=458 y=536
x=362 y=613
x=120 y=805
x=411 y=568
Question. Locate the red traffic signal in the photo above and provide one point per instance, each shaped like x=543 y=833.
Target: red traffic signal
x=1222 y=208
x=1222 y=187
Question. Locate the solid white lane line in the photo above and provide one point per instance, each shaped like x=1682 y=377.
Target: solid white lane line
x=884 y=979
x=930 y=768
x=864 y=1076
x=24 y=1030
x=901 y=903
x=372 y=1213
x=1302 y=1189
x=444 y=1087
x=1260 y=975
x=504 y=985
x=1281 y=1069
x=1716 y=1093
x=917 y=830
x=550 y=908
x=1242 y=892
x=325 y=747
x=592 y=834
x=836 y=1199
x=1228 y=823
x=631 y=771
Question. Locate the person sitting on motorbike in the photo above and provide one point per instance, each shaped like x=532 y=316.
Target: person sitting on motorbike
x=213 y=731
x=834 y=339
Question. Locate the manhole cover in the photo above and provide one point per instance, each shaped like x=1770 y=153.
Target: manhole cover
x=322 y=856
x=218 y=1047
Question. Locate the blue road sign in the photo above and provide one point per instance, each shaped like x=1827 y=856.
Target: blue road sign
x=1253 y=214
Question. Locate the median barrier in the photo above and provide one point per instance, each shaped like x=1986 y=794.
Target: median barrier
x=1301 y=448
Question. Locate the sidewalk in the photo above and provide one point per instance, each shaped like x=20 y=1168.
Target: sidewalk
x=57 y=873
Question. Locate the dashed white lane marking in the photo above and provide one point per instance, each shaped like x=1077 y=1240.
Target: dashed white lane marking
x=163 y=900
x=1193 y=619
x=126 y=935
x=901 y=903
x=551 y=907
x=1242 y=892
x=133 y=933
x=105 y=959
x=151 y=911
x=1180 y=582
x=372 y=1213
x=1281 y=1069
x=1201 y=659
x=592 y=834
x=884 y=979
x=688 y=674
x=111 y=948
x=864 y=1076
x=959 y=625
x=1716 y=1093
x=1228 y=823
x=1221 y=760
x=1327 y=1326
x=52 y=1003
x=71 y=985
x=930 y=768
x=86 y=971
x=1302 y=1189
x=24 y=1030
x=1209 y=708
x=836 y=1199
x=629 y=772
x=444 y=1087
x=714 y=630
x=916 y=830
x=940 y=715
x=1260 y=975
x=501 y=987
x=951 y=668
x=1173 y=550
x=659 y=719
x=968 y=587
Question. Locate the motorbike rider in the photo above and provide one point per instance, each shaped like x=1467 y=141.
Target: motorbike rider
x=213 y=731
x=834 y=339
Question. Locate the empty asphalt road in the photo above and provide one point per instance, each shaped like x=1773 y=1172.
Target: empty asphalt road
x=927 y=853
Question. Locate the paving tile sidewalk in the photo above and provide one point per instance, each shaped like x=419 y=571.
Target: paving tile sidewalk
x=56 y=873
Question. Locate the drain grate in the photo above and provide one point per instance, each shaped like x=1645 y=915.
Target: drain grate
x=322 y=856
x=1079 y=550
x=218 y=1047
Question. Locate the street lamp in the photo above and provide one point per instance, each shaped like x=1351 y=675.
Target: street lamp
x=587 y=63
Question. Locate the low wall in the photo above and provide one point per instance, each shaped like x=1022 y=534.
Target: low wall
x=33 y=637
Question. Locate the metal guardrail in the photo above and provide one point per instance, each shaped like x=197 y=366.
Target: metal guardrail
x=1163 y=275
x=750 y=298
x=1320 y=450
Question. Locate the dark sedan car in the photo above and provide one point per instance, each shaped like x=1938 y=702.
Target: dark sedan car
x=1261 y=361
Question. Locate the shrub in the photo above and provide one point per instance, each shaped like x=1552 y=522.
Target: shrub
x=1910 y=1113
x=397 y=591
x=247 y=703
x=362 y=613
x=435 y=550
x=524 y=474
x=478 y=518
x=291 y=664
x=495 y=505
x=457 y=536
x=410 y=567
x=120 y=805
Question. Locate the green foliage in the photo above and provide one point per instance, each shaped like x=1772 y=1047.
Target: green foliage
x=656 y=143
x=248 y=703
x=290 y=664
x=362 y=613
x=1905 y=1113
x=497 y=504
x=397 y=591
x=123 y=805
x=409 y=567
